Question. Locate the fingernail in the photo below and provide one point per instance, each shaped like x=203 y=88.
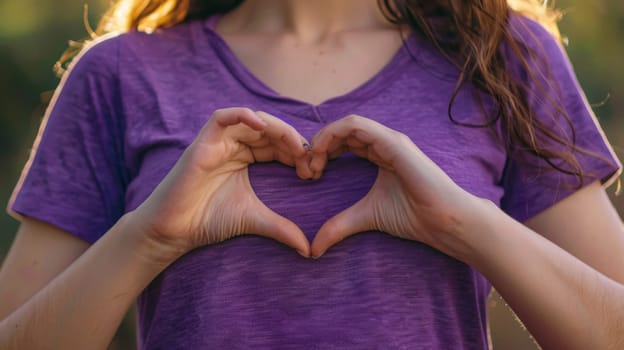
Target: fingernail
x=307 y=146
x=302 y=254
x=318 y=256
x=260 y=118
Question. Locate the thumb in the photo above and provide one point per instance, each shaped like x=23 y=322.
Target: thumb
x=357 y=218
x=267 y=223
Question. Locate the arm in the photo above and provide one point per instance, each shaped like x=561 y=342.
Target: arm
x=562 y=300
x=39 y=253
x=586 y=225
x=83 y=306
x=206 y=198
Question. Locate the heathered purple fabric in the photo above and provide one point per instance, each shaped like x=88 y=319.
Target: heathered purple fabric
x=132 y=104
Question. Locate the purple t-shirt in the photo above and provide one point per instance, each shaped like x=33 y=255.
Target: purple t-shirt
x=132 y=103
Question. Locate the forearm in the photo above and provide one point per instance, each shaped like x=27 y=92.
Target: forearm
x=84 y=305
x=563 y=302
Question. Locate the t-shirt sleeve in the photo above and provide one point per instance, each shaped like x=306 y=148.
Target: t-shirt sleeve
x=74 y=178
x=531 y=185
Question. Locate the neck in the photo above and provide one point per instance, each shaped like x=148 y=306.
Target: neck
x=306 y=19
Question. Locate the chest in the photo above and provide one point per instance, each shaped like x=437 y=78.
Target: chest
x=314 y=72
x=163 y=113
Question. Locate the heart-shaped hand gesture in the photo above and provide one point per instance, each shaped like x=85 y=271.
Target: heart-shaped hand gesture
x=412 y=197
x=207 y=198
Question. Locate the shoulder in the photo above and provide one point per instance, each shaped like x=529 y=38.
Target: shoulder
x=529 y=31
x=164 y=43
x=534 y=42
x=97 y=57
x=535 y=53
x=104 y=54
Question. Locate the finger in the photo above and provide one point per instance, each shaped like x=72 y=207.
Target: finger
x=221 y=119
x=355 y=219
x=349 y=144
x=334 y=139
x=334 y=135
x=317 y=162
x=368 y=153
x=303 y=167
x=338 y=137
x=326 y=141
x=239 y=115
x=270 y=153
x=268 y=223
x=337 y=151
x=364 y=137
x=262 y=142
x=283 y=135
x=286 y=145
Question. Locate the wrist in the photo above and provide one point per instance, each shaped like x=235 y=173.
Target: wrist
x=153 y=248
x=471 y=233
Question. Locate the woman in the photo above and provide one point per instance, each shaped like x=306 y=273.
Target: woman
x=462 y=120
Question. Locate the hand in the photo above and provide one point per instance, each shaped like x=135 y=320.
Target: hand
x=412 y=197
x=207 y=198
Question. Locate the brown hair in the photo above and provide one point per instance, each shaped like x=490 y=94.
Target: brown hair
x=469 y=33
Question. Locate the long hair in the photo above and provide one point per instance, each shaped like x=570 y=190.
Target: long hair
x=469 y=33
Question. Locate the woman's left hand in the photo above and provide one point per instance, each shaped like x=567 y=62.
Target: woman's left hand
x=412 y=198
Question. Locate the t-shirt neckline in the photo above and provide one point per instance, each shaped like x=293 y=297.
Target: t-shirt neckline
x=250 y=81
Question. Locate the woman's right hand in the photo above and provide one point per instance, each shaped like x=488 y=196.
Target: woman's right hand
x=207 y=197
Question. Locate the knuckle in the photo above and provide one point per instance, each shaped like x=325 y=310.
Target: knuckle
x=230 y=110
x=293 y=135
x=246 y=110
x=403 y=138
x=219 y=111
x=332 y=231
x=353 y=118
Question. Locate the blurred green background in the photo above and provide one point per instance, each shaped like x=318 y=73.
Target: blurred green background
x=34 y=33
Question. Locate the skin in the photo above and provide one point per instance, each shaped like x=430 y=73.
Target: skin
x=562 y=272
x=563 y=301
x=320 y=43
